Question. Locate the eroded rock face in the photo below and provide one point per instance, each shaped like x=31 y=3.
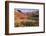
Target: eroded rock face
x=19 y=17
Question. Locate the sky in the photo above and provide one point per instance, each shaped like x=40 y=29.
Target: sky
x=27 y=10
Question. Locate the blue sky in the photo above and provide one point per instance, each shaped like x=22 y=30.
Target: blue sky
x=27 y=10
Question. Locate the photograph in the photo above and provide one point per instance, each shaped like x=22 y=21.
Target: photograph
x=26 y=17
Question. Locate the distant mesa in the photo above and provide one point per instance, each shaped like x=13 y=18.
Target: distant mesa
x=20 y=11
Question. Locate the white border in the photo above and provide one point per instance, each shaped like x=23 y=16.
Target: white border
x=25 y=29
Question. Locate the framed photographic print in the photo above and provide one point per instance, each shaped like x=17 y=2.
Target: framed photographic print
x=24 y=17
